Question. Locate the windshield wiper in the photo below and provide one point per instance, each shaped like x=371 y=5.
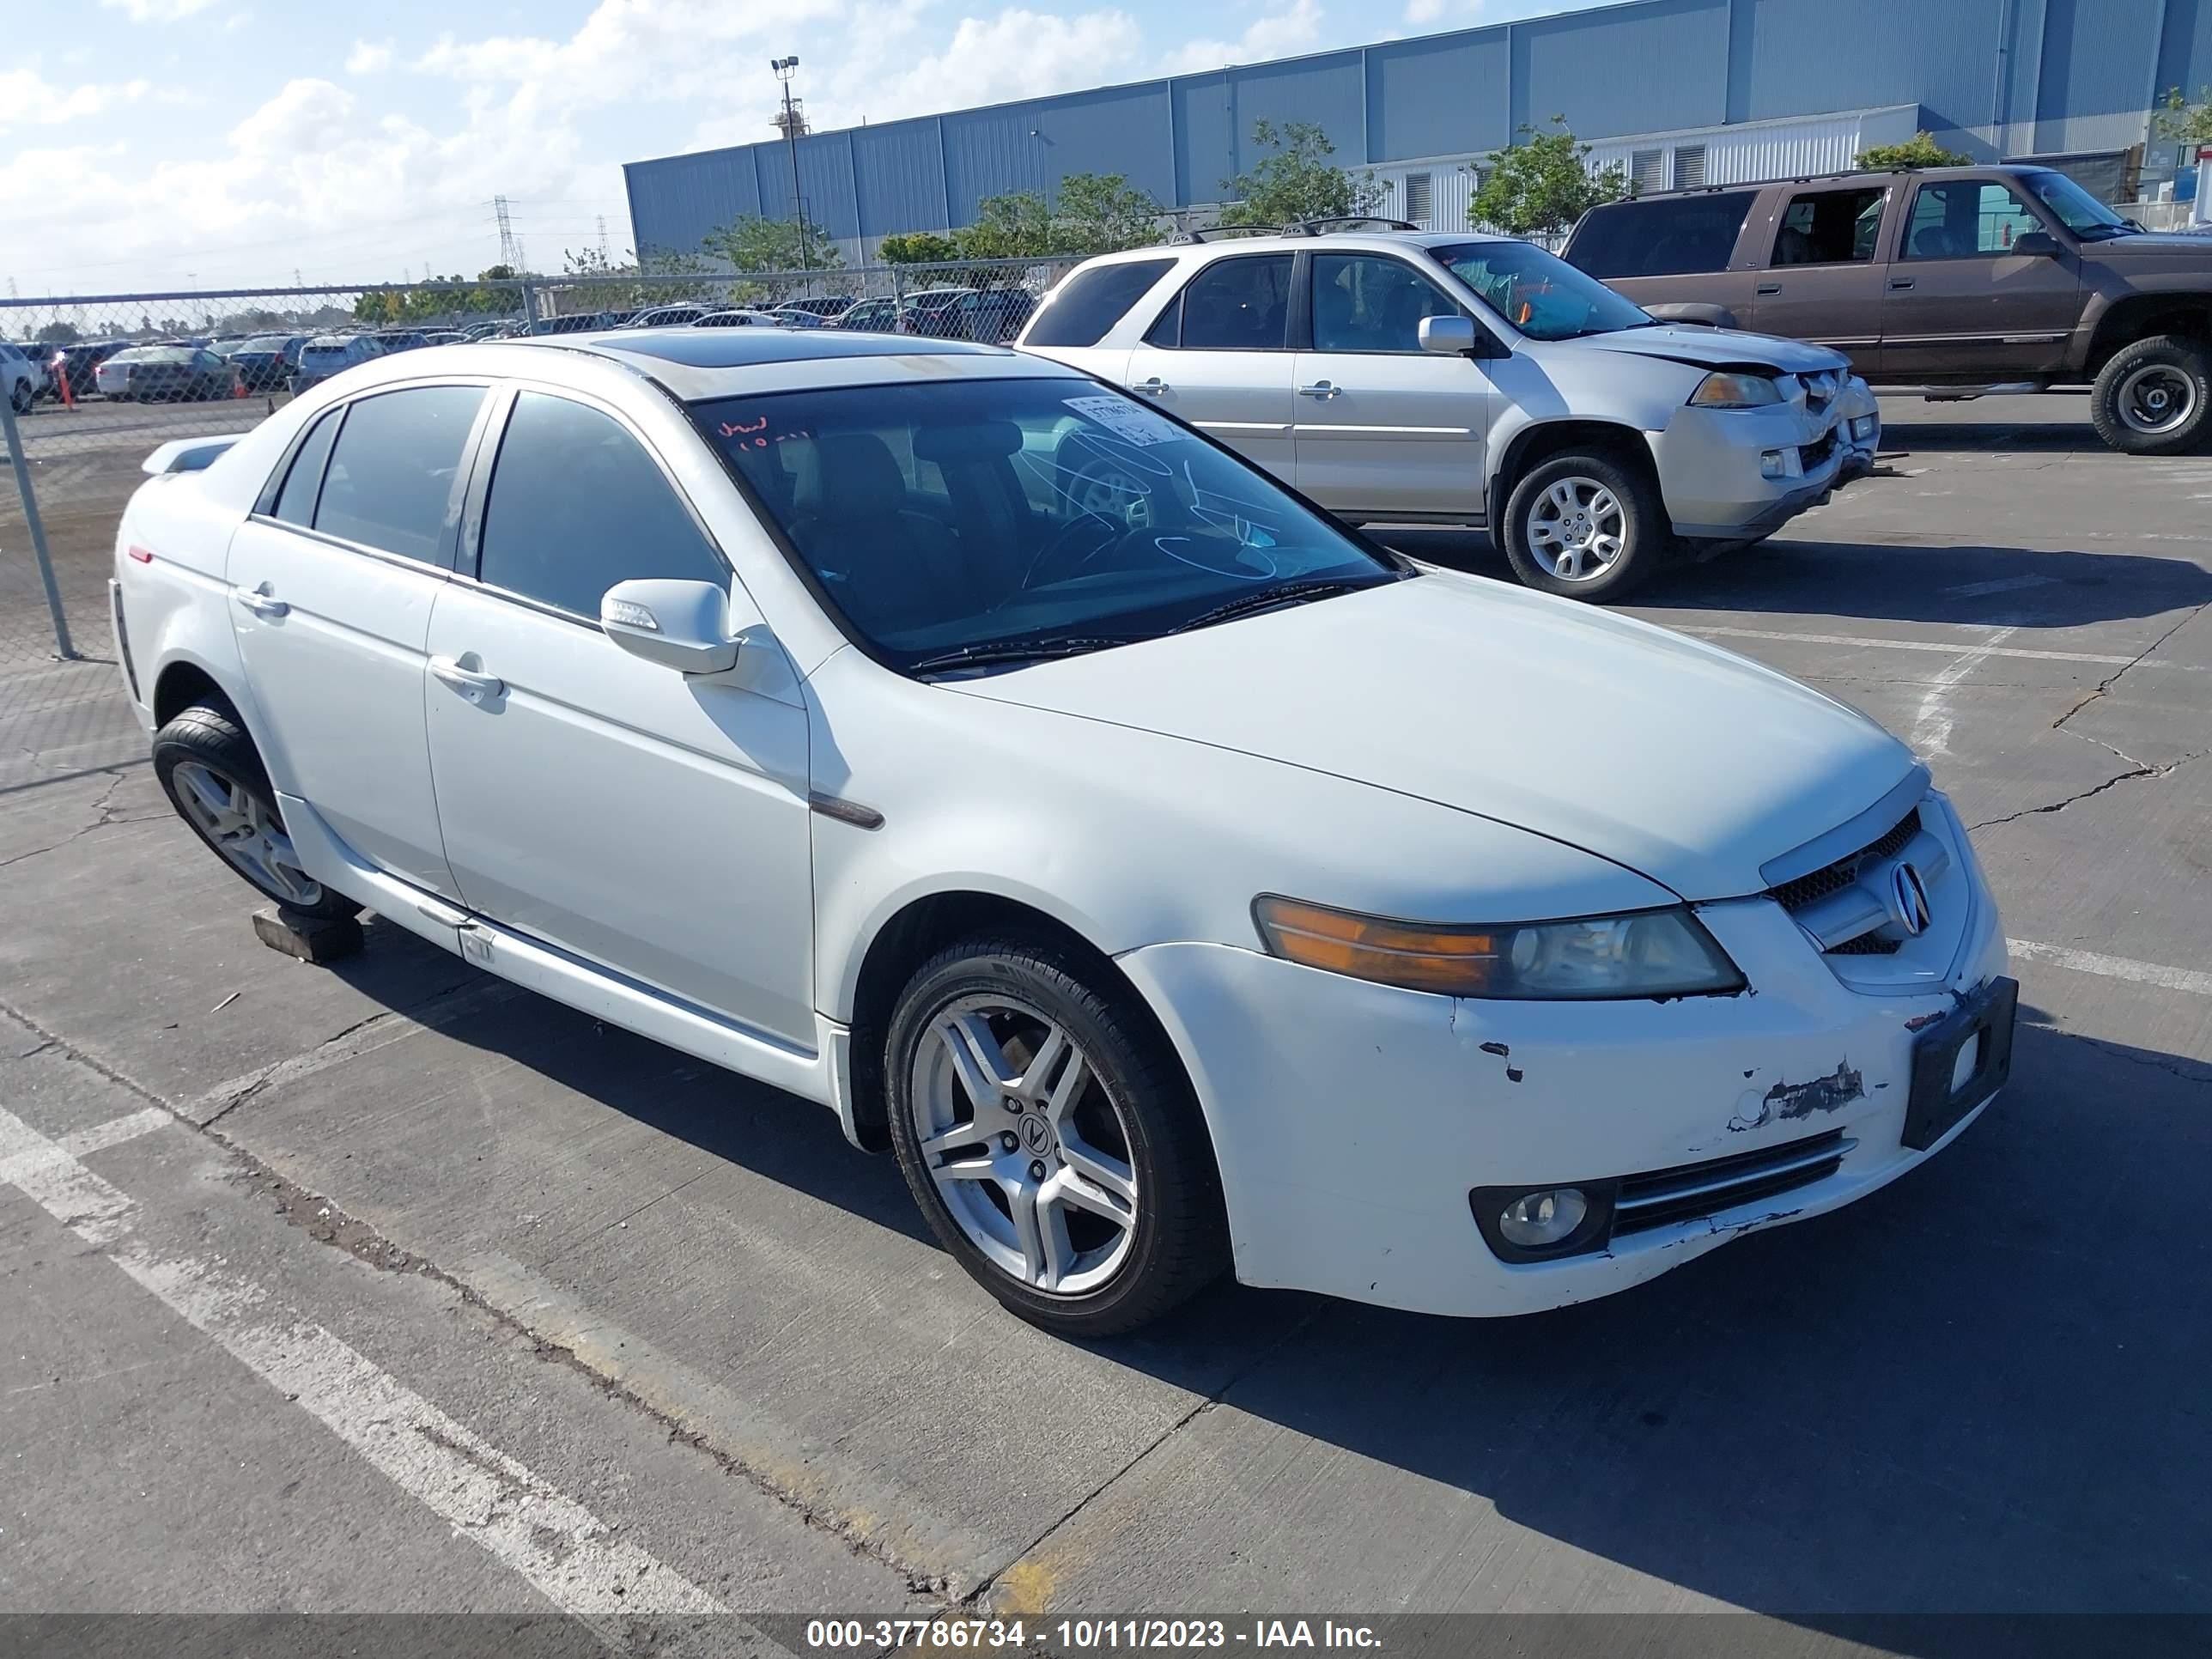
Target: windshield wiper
x=1245 y=603
x=1014 y=651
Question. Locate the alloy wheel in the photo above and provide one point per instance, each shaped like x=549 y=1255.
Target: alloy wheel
x=1577 y=529
x=2157 y=398
x=1025 y=1144
x=245 y=830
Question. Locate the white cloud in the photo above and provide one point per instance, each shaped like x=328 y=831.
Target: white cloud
x=368 y=58
x=1279 y=35
x=157 y=11
x=28 y=99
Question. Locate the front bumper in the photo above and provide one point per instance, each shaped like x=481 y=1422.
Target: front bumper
x=1352 y=1121
x=1709 y=463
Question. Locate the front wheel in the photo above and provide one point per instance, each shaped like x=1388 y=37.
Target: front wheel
x=2154 y=398
x=1051 y=1138
x=21 y=396
x=1586 y=527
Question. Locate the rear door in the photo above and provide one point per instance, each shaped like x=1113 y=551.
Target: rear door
x=331 y=583
x=1219 y=357
x=1822 y=279
x=1960 y=305
x=1382 y=429
x=1084 y=309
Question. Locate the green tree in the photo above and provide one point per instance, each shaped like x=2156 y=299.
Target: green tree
x=1015 y=226
x=1296 y=181
x=1920 y=150
x=1541 y=185
x=57 y=334
x=1103 y=213
x=2190 y=122
x=752 y=243
x=919 y=247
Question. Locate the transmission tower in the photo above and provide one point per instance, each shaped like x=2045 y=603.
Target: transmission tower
x=603 y=238
x=510 y=250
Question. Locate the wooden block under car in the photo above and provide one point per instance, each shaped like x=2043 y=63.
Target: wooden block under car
x=308 y=938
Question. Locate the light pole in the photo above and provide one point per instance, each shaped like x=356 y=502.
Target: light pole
x=783 y=68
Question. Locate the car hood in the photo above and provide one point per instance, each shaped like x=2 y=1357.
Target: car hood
x=2151 y=245
x=1682 y=762
x=1716 y=348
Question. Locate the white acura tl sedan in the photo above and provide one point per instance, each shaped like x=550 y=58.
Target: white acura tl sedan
x=1190 y=886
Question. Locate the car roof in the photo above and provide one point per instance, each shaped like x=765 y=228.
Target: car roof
x=1855 y=176
x=1372 y=241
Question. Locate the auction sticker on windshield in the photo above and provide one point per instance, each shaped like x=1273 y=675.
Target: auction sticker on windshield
x=1124 y=419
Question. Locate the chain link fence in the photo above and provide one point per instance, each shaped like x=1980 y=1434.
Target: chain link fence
x=95 y=383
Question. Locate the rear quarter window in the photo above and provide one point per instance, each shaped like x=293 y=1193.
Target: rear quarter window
x=1091 y=302
x=1671 y=238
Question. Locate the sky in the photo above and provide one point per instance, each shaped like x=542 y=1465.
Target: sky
x=162 y=145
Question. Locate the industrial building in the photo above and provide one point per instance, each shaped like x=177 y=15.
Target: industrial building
x=1679 y=92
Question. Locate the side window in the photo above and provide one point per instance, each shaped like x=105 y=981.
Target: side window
x=1673 y=237
x=394 y=479
x=1167 y=329
x=296 y=502
x=1366 y=302
x=1829 y=228
x=576 y=505
x=1091 y=302
x=1965 y=219
x=1238 y=305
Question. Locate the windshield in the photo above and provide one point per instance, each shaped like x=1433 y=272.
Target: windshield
x=1540 y=294
x=990 y=517
x=2079 y=211
x=154 y=355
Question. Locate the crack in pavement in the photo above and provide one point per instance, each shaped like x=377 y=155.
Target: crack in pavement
x=2169 y=1065
x=2140 y=771
x=2105 y=684
x=103 y=816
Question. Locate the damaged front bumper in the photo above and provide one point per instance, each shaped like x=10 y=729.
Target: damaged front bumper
x=1731 y=476
x=1358 y=1127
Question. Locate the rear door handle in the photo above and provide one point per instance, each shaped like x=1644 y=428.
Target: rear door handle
x=476 y=688
x=1770 y=287
x=1151 y=387
x=261 y=601
x=1322 y=389
x=1900 y=281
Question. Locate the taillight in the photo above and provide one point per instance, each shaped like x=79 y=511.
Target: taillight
x=142 y=555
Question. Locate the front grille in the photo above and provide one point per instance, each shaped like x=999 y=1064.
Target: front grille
x=1834 y=877
x=1693 y=1190
x=1866 y=945
x=1814 y=455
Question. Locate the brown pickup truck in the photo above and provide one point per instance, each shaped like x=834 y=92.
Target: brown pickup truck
x=1957 y=280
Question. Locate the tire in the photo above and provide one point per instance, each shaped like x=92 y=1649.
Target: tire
x=206 y=745
x=2154 y=398
x=1623 y=505
x=1130 y=1119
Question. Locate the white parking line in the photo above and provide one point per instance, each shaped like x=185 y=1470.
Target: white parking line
x=1931 y=722
x=2092 y=961
x=486 y=1496
x=1949 y=649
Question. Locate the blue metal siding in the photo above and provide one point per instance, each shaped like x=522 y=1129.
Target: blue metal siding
x=1206 y=125
x=1650 y=67
x=2098 y=57
x=1445 y=95
x=1034 y=145
x=674 y=203
x=1808 y=58
x=902 y=177
x=1327 y=92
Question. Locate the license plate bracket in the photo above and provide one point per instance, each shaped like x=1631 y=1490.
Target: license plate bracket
x=1985 y=1019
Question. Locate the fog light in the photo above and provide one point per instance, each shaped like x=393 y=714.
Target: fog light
x=1863 y=426
x=1770 y=464
x=1535 y=1220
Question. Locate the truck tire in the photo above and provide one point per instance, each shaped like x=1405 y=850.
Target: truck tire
x=2154 y=398
x=1585 y=525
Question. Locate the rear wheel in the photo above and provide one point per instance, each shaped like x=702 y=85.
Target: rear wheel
x=213 y=777
x=1585 y=526
x=1051 y=1139
x=2154 y=398
x=21 y=396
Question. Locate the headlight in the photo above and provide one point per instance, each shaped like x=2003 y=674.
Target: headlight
x=1646 y=953
x=1724 y=389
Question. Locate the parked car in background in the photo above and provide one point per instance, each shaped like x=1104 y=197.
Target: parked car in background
x=165 y=374
x=267 y=360
x=1253 y=971
x=1400 y=376
x=793 y=317
x=400 y=339
x=667 y=316
x=330 y=354
x=21 y=377
x=989 y=315
x=739 y=318
x=1960 y=280
x=582 y=322
x=878 y=316
x=824 y=306
x=80 y=363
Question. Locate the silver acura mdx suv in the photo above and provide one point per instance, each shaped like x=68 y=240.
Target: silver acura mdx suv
x=1407 y=376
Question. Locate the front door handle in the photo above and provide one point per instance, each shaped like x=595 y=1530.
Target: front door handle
x=1770 y=287
x=1900 y=281
x=261 y=601
x=1322 y=389
x=1151 y=386
x=476 y=688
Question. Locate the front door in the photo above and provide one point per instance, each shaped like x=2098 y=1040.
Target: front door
x=1821 y=281
x=1219 y=357
x=650 y=822
x=332 y=585
x=1959 y=306
x=1382 y=427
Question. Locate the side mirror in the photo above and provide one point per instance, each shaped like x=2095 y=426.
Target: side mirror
x=2036 y=244
x=678 y=624
x=1447 y=337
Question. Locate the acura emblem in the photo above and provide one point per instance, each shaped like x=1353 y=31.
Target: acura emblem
x=1908 y=900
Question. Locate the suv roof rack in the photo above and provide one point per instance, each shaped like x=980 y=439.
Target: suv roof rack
x=1212 y=232
x=1352 y=222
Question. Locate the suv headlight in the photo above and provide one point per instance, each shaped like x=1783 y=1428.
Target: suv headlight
x=1726 y=389
x=1643 y=953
